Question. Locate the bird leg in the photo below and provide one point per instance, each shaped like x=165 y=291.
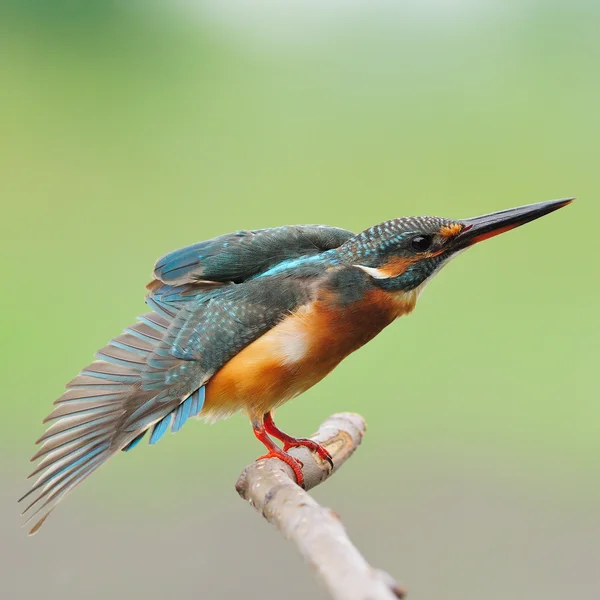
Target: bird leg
x=274 y=451
x=291 y=442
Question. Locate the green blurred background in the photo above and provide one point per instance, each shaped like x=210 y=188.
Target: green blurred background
x=129 y=129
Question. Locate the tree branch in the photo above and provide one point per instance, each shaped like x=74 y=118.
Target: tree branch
x=269 y=485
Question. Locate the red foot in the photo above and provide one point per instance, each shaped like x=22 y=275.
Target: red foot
x=294 y=463
x=291 y=442
x=275 y=451
x=311 y=445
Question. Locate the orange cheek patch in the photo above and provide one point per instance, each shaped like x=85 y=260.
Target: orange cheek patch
x=396 y=265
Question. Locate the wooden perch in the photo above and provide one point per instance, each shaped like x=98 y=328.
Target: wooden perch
x=318 y=533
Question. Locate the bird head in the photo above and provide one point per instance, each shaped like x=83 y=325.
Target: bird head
x=403 y=254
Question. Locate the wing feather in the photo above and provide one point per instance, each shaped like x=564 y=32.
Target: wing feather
x=239 y=256
x=207 y=306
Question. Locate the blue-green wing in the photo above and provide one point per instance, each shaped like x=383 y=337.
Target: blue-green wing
x=150 y=378
x=236 y=257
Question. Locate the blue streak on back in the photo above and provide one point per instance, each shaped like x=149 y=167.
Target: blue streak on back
x=294 y=263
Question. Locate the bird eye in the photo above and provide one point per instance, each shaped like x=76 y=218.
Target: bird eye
x=420 y=243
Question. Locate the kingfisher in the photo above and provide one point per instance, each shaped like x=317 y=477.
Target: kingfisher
x=245 y=322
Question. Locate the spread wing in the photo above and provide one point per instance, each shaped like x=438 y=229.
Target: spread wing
x=208 y=305
x=149 y=378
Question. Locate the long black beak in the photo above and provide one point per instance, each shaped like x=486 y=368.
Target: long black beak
x=487 y=226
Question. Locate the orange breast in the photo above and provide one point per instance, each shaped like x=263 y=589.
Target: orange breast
x=297 y=353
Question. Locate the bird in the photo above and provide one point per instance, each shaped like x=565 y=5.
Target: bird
x=246 y=322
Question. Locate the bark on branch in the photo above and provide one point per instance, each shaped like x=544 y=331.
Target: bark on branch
x=318 y=533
